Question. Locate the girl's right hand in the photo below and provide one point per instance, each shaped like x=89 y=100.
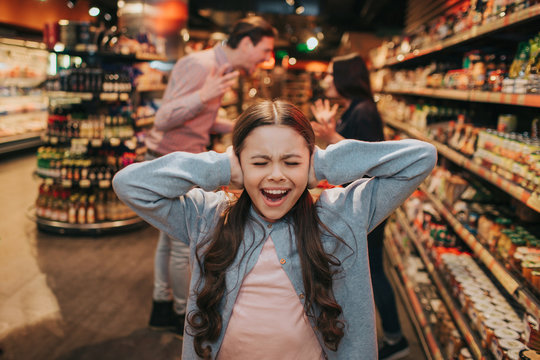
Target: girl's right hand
x=312 y=178
x=237 y=176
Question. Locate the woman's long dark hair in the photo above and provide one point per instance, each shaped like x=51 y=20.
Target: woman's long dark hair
x=220 y=249
x=351 y=77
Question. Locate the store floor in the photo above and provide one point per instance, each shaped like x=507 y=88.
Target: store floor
x=79 y=297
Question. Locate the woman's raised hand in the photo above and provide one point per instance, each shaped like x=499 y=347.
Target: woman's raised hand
x=325 y=127
x=237 y=176
x=323 y=113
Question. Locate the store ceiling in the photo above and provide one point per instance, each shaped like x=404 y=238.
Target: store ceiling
x=330 y=17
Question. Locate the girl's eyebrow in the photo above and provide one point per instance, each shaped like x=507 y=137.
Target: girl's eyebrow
x=268 y=157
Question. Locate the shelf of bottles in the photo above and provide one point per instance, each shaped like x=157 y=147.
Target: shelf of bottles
x=469 y=26
x=529 y=197
x=508 y=281
x=413 y=305
x=530 y=100
x=92 y=132
x=471 y=339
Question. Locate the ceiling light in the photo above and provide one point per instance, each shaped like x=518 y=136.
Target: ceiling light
x=71 y=3
x=290 y=2
x=94 y=11
x=299 y=10
x=121 y=4
x=312 y=43
x=107 y=16
x=292 y=61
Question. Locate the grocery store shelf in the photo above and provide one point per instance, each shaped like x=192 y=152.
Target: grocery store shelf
x=160 y=87
x=5 y=113
x=129 y=142
x=104 y=96
x=530 y=100
x=68 y=183
x=20 y=142
x=145 y=121
x=468 y=35
x=412 y=303
x=528 y=198
x=113 y=56
x=471 y=339
x=63 y=228
x=505 y=278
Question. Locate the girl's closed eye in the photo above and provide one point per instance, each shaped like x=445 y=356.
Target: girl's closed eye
x=260 y=163
x=292 y=163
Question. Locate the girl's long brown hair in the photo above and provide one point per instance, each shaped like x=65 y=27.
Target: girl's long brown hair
x=216 y=254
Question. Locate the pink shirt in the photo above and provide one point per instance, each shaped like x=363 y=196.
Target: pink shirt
x=268 y=319
x=182 y=121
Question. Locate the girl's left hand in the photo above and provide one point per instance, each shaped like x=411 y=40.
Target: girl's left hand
x=237 y=176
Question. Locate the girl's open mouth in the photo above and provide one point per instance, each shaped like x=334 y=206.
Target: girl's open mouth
x=274 y=197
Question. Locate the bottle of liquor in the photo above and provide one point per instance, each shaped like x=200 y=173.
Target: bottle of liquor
x=91 y=210
x=72 y=209
x=81 y=210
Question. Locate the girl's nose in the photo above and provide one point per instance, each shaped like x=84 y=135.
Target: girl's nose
x=276 y=174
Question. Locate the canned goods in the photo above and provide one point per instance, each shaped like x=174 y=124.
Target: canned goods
x=488 y=329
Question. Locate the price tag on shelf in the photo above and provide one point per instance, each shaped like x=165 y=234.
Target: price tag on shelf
x=124 y=97
x=53 y=140
x=66 y=183
x=115 y=141
x=85 y=183
x=131 y=144
x=103 y=184
x=49 y=181
x=97 y=142
x=534 y=201
x=108 y=96
x=505 y=279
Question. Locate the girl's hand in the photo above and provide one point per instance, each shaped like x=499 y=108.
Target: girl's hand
x=237 y=176
x=312 y=178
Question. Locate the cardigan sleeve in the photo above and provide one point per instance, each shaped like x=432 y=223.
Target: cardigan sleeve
x=174 y=192
x=396 y=169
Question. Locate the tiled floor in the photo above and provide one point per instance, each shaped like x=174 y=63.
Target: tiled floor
x=78 y=297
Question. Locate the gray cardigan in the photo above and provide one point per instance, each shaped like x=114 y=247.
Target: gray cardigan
x=175 y=193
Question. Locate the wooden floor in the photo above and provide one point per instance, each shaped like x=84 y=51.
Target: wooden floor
x=78 y=297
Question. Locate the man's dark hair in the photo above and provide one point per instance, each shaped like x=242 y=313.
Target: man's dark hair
x=255 y=27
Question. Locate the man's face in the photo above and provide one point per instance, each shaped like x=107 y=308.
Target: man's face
x=256 y=54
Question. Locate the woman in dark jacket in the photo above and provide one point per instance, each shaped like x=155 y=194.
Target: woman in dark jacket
x=348 y=78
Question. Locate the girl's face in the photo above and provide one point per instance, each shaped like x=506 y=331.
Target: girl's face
x=275 y=162
x=328 y=82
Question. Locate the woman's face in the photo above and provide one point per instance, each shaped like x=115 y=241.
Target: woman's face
x=275 y=162
x=328 y=82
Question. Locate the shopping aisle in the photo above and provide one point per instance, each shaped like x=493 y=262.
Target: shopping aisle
x=79 y=297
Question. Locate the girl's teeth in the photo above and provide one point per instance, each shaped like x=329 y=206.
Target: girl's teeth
x=275 y=192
